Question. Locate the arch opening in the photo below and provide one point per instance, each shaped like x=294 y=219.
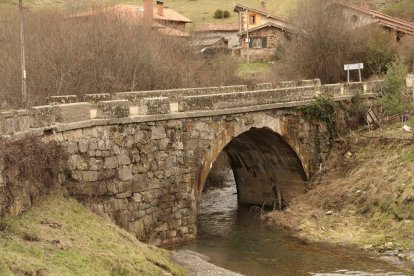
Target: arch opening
x=267 y=171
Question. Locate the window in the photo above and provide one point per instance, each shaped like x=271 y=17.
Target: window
x=252 y=19
x=354 y=19
x=258 y=42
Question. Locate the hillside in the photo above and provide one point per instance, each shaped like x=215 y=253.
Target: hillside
x=61 y=237
x=202 y=10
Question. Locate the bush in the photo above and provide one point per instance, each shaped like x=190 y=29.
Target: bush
x=220 y=14
x=393 y=99
x=376 y=48
x=323 y=110
x=33 y=160
x=97 y=54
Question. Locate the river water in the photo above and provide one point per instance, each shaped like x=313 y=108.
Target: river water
x=233 y=237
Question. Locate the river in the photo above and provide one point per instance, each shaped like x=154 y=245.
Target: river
x=234 y=238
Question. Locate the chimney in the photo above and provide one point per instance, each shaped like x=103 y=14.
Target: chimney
x=160 y=8
x=148 y=10
x=263 y=5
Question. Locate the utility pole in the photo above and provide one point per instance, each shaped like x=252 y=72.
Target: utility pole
x=23 y=57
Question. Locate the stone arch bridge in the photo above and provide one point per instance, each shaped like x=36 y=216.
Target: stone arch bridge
x=142 y=157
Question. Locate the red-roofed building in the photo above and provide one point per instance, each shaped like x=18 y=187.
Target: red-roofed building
x=165 y=20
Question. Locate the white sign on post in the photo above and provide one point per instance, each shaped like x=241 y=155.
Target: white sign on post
x=354 y=66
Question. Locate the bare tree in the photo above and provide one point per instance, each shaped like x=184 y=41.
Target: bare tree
x=106 y=52
x=325 y=39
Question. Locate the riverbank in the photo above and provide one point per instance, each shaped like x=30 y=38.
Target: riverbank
x=59 y=236
x=363 y=197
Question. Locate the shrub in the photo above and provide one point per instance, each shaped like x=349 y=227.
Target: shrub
x=220 y=14
x=393 y=100
x=97 y=54
x=33 y=160
x=323 y=110
x=376 y=48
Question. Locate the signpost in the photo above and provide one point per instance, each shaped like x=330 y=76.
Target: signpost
x=354 y=66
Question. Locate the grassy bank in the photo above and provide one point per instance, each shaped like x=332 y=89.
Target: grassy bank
x=363 y=198
x=61 y=237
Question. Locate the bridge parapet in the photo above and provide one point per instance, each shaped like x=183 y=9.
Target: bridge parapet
x=175 y=94
x=242 y=99
x=201 y=100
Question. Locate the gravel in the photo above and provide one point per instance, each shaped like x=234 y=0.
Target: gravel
x=198 y=265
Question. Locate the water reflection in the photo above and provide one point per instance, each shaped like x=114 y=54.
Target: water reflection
x=232 y=238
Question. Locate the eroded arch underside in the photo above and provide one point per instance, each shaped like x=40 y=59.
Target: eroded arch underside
x=265 y=167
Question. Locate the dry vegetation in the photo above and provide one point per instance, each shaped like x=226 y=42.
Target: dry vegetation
x=368 y=184
x=105 y=53
x=326 y=40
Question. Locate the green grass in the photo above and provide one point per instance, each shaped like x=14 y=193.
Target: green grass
x=249 y=69
x=199 y=11
x=61 y=237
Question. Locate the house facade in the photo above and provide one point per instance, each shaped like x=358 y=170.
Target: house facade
x=227 y=31
x=260 y=33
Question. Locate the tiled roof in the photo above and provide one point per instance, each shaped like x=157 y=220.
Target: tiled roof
x=383 y=19
x=169 y=15
x=240 y=7
x=217 y=27
x=136 y=12
x=207 y=41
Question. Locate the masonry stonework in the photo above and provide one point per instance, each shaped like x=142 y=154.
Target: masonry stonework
x=275 y=37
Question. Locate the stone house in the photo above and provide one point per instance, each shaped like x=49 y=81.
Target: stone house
x=228 y=31
x=260 y=33
x=260 y=43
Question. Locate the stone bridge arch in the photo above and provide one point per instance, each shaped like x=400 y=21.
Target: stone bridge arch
x=266 y=161
x=142 y=162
